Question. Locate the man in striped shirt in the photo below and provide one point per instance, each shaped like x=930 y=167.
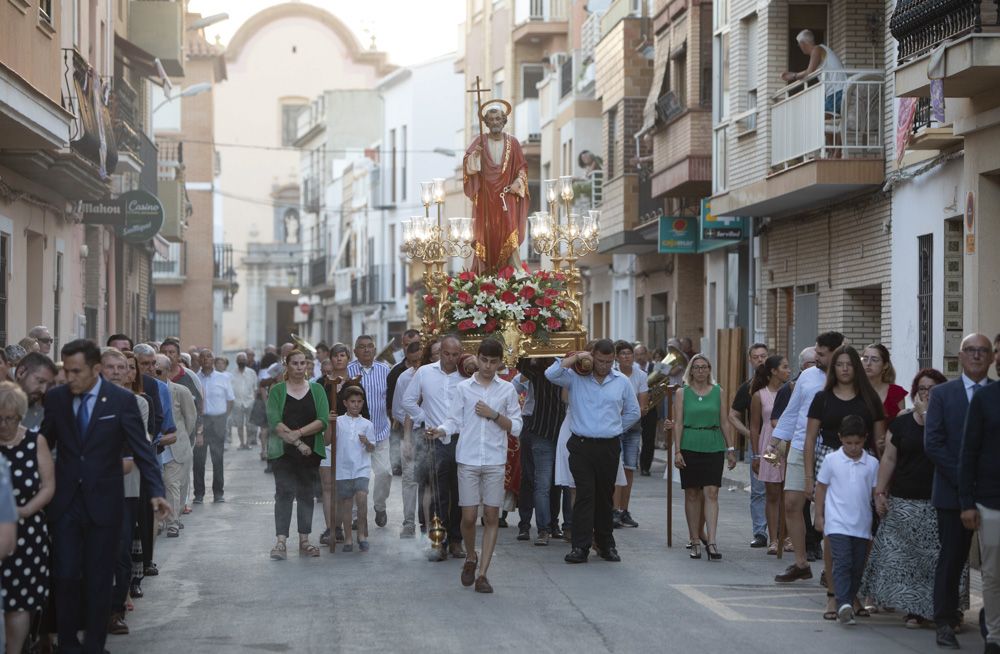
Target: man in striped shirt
x=374 y=380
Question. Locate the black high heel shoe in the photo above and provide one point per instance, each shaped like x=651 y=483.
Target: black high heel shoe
x=695 y=551
x=713 y=552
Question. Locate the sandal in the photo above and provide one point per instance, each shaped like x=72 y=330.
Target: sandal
x=830 y=615
x=279 y=552
x=772 y=549
x=788 y=545
x=695 y=550
x=862 y=612
x=308 y=549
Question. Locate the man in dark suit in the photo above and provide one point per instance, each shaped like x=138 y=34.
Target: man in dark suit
x=91 y=424
x=943 y=431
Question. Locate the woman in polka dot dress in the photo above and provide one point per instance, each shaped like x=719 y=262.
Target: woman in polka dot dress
x=24 y=576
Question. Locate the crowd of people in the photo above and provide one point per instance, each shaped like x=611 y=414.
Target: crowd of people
x=106 y=449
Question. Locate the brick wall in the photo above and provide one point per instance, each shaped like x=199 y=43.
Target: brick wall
x=845 y=252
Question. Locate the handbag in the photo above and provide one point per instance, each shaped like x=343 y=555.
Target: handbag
x=258 y=413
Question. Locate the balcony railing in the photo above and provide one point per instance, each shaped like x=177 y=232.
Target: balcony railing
x=126 y=118
x=370 y=288
x=920 y=25
x=838 y=116
x=527 y=121
x=546 y=10
x=590 y=35
x=173 y=266
x=224 y=274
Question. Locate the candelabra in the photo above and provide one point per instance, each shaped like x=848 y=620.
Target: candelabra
x=565 y=236
x=425 y=238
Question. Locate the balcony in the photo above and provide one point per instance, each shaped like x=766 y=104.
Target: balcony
x=170 y=269
x=369 y=288
x=157 y=26
x=929 y=134
x=967 y=67
x=319 y=275
x=827 y=143
x=535 y=20
x=171 y=191
x=343 y=280
x=527 y=122
x=127 y=126
x=224 y=274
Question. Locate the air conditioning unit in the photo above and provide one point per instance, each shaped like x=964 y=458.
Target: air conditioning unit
x=668 y=106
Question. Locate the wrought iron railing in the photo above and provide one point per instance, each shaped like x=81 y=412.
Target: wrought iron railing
x=920 y=25
x=125 y=115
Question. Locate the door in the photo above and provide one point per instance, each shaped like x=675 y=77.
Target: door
x=805 y=326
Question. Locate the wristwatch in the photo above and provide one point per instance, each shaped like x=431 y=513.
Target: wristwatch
x=730 y=449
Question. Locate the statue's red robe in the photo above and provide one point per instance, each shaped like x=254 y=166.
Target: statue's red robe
x=497 y=233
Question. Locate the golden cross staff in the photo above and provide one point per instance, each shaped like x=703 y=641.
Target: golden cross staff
x=479 y=103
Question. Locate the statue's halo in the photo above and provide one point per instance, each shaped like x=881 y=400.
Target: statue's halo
x=494 y=104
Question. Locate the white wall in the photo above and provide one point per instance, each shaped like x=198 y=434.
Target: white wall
x=920 y=206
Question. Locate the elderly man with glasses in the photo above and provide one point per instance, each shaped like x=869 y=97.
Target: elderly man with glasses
x=41 y=334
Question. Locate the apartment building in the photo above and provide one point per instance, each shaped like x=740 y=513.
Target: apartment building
x=79 y=216
x=944 y=183
x=804 y=162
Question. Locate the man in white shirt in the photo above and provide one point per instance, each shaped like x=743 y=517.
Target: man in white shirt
x=792 y=427
x=426 y=401
x=413 y=451
x=244 y=391
x=218 y=402
x=483 y=410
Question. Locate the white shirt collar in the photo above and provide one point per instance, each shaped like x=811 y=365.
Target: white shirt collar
x=968 y=383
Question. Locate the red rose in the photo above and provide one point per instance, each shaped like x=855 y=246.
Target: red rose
x=544 y=301
x=506 y=272
x=527 y=292
x=490 y=326
x=560 y=276
x=451 y=289
x=481 y=309
x=532 y=311
x=508 y=297
x=551 y=292
x=466 y=276
x=430 y=300
x=553 y=323
x=527 y=327
x=466 y=325
x=488 y=287
x=464 y=297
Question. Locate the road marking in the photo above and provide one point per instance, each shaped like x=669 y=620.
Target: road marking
x=711 y=603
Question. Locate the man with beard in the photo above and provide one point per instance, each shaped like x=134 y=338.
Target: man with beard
x=35 y=374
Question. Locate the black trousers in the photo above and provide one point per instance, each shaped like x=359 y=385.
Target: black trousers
x=215 y=438
x=526 y=492
x=123 y=568
x=594 y=464
x=813 y=537
x=294 y=480
x=147 y=527
x=84 y=560
x=955 y=541
x=445 y=501
x=648 y=425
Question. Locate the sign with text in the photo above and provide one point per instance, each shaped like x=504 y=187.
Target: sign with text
x=719 y=231
x=143 y=216
x=678 y=235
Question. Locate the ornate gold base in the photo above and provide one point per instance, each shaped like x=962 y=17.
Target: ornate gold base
x=518 y=345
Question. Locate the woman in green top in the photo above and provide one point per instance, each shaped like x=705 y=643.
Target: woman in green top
x=298 y=412
x=703 y=439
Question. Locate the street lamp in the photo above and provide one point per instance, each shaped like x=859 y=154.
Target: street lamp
x=194 y=89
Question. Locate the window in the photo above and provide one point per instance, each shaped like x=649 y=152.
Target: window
x=566 y=76
x=166 y=324
x=705 y=56
x=290 y=122
x=57 y=301
x=679 y=82
x=402 y=164
x=45 y=10
x=531 y=76
x=392 y=165
x=925 y=299
x=4 y=273
x=722 y=92
x=612 y=141
x=720 y=178
x=800 y=17
x=750 y=36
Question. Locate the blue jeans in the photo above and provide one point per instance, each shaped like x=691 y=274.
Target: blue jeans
x=758 y=505
x=849 y=553
x=538 y=460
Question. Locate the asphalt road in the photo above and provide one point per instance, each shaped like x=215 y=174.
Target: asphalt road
x=219 y=592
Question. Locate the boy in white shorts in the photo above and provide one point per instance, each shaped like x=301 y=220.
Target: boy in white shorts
x=354 y=466
x=483 y=410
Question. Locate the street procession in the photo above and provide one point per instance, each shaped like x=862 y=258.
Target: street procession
x=604 y=325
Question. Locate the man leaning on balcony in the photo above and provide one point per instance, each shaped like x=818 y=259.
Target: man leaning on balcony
x=821 y=58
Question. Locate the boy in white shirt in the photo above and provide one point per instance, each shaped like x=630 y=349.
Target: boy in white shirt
x=844 y=492
x=354 y=465
x=483 y=410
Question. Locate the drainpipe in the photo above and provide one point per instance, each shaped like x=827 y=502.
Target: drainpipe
x=751 y=285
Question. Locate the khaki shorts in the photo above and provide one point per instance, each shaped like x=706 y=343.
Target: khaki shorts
x=480 y=485
x=795 y=471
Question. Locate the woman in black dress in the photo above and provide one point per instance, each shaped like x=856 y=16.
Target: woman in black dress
x=25 y=574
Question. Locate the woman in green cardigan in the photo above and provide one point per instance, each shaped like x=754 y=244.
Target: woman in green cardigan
x=298 y=412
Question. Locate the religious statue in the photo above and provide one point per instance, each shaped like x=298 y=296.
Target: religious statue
x=495 y=178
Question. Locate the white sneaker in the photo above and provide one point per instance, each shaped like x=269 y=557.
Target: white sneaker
x=845 y=614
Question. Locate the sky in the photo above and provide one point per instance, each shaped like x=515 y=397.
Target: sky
x=409 y=31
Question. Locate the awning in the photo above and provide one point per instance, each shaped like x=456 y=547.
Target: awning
x=656 y=88
x=136 y=58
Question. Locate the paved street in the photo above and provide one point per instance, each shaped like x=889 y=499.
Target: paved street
x=219 y=592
